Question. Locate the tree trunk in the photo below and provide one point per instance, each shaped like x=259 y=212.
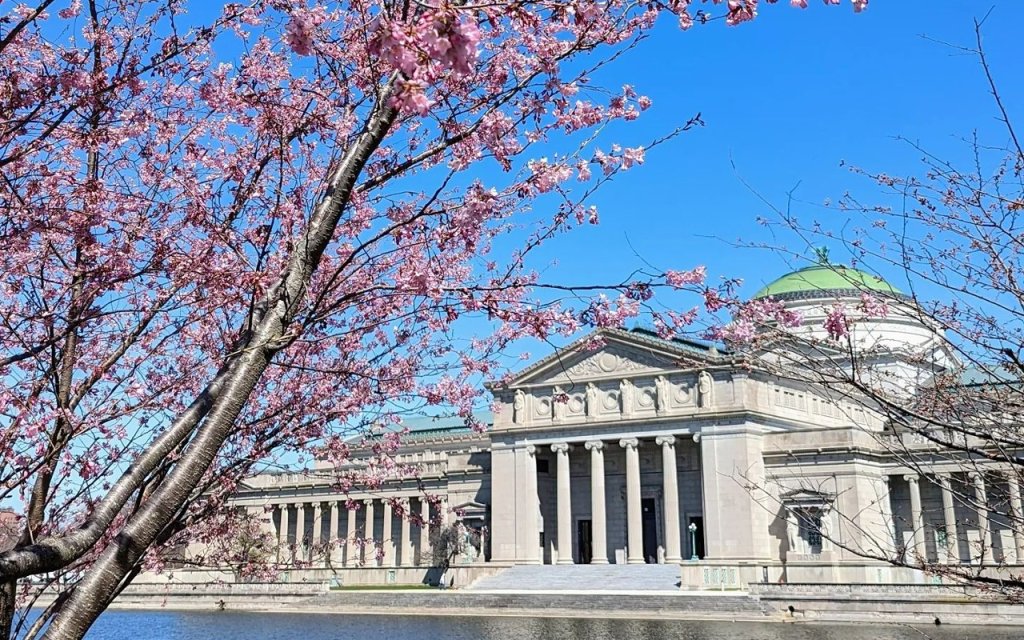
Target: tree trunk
x=102 y=580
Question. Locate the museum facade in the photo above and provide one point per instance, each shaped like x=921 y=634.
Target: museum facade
x=626 y=448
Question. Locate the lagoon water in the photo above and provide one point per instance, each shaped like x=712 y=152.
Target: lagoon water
x=178 y=625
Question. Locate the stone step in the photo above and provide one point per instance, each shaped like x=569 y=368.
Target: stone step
x=611 y=577
x=451 y=602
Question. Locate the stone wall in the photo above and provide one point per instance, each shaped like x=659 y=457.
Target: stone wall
x=910 y=603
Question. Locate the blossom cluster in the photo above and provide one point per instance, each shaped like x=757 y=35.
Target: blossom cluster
x=424 y=47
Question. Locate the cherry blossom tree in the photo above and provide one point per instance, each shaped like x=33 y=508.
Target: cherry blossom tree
x=945 y=403
x=259 y=229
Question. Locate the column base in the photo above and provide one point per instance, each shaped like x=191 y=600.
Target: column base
x=635 y=561
x=561 y=561
x=599 y=561
x=671 y=560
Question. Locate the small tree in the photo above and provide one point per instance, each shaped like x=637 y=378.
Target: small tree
x=254 y=231
x=951 y=395
x=447 y=542
x=239 y=541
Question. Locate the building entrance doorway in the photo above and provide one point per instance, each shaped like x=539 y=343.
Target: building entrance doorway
x=584 y=541
x=648 y=508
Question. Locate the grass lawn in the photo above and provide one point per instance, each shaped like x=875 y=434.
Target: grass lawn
x=382 y=587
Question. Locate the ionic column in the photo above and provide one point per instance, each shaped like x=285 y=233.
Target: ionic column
x=369 y=556
x=949 y=518
x=916 y=517
x=300 y=530
x=424 y=533
x=564 y=504
x=673 y=553
x=316 y=537
x=597 y=507
x=334 y=534
x=283 y=537
x=984 y=530
x=635 y=530
x=406 y=533
x=351 y=549
x=888 y=515
x=388 y=559
x=533 y=510
x=1016 y=514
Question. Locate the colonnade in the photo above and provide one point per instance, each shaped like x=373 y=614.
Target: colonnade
x=979 y=505
x=598 y=511
x=357 y=546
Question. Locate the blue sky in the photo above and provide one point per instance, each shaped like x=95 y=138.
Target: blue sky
x=786 y=98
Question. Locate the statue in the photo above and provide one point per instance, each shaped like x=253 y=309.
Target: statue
x=662 y=387
x=705 y=389
x=593 y=408
x=792 y=531
x=825 y=529
x=626 y=396
x=519 y=407
x=558 y=402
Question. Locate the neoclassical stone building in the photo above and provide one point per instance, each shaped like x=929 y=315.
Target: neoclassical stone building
x=644 y=450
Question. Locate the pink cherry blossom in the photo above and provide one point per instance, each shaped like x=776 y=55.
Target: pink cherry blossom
x=837 y=323
x=680 y=279
x=256 y=236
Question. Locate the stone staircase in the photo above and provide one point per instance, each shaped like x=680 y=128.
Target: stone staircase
x=607 y=591
x=582 y=577
x=680 y=606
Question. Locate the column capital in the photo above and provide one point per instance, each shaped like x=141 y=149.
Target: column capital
x=594 y=445
x=368 y=501
x=696 y=437
x=665 y=441
x=561 y=447
x=629 y=443
x=974 y=476
x=911 y=477
x=530 y=449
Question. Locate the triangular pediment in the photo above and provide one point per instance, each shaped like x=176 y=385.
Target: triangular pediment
x=614 y=353
x=470 y=510
x=807 y=497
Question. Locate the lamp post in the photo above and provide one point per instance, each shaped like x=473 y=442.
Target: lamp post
x=693 y=540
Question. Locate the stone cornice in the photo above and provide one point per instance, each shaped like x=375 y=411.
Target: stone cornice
x=665 y=348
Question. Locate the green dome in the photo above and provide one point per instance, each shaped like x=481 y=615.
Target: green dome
x=818 y=280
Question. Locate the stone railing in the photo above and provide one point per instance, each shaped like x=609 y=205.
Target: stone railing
x=226 y=588
x=854 y=591
x=410 y=469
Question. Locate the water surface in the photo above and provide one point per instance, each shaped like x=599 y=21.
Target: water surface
x=230 y=625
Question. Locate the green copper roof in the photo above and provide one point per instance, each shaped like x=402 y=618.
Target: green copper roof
x=825 y=278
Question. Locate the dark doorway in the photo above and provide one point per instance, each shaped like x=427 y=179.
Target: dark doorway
x=650 y=524
x=699 y=521
x=584 y=541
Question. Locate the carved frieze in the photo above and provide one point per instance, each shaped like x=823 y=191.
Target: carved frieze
x=629 y=397
x=610 y=362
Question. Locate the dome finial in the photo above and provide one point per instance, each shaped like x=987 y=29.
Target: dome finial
x=821 y=253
